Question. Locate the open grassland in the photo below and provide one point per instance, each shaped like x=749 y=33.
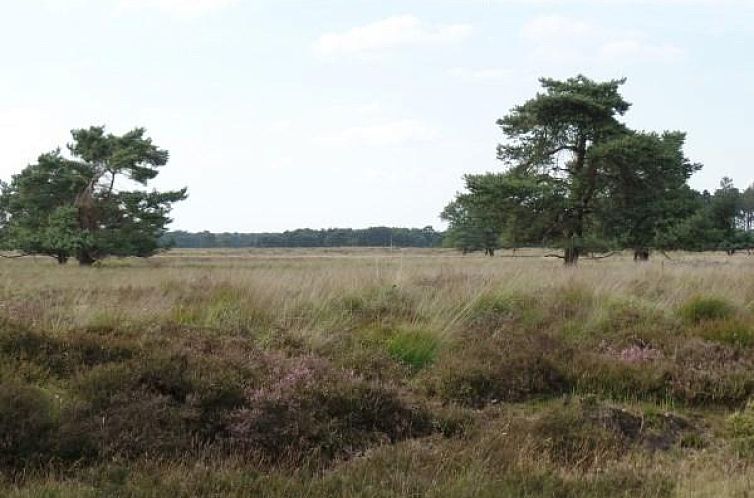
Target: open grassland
x=377 y=373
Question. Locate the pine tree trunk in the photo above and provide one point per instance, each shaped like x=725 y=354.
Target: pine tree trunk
x=85 y=258
x=571 y=257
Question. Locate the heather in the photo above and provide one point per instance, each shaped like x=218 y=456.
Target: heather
x=376 y=373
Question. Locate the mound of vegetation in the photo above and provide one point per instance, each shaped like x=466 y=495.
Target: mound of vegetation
x=311 y=410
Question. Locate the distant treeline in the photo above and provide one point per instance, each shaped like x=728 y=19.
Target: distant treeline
x=331 y=237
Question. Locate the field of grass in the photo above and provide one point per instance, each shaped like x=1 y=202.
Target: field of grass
x=375 y=373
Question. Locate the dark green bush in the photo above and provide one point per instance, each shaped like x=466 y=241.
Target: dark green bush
x=162 y=405
x=28 y=422
x=62 y=356
x=700 y=309
x=507 y=369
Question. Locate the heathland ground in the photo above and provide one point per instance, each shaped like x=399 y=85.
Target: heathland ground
x=377 y=373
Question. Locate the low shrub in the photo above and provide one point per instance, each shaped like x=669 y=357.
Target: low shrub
x=614 y=378
x=161 y=405
x=584 y=432
x=312 y=412
x=491 y=311
x=370 y=361
x=700 y=309
x=28 y=422
x=571 y=302
x=583 y=435
x=616 y=484
x=707 y=386
x=508 y=369
x=731 y=332
x=62 y=356
x=695 y=383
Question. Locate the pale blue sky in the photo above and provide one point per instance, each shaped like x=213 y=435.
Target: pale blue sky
x=350 y=113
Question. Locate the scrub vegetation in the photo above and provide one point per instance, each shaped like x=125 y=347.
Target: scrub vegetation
x=321 y=373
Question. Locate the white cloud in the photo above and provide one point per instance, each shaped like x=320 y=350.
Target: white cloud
x=637 y=49
x=178 y=7
x=387 y=133
x=482 y=75
x=568 y=39
x=31 y=131
x=556 y=28
x=714 y=3
x=390 y=33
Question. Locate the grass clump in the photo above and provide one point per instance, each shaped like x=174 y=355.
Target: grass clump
x=700 y=309
x=582 y=434
x=618 y=380
x=585 y=432
x=377 y=306
x=221 y=308
x=490 y=311
x=741 y=429
x=415 y=347
x=733 y=332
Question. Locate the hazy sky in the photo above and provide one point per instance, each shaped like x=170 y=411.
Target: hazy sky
x=281 y=114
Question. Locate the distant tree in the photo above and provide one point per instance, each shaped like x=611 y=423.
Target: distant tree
x=330 y=237
x=550 y=139
x=726 y=211
x=67 y=208
x=718 y=222
x=747 y=209
x=470 y=227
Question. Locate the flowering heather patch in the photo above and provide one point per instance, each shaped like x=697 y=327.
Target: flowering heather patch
x=314 y=411
x=639 y=354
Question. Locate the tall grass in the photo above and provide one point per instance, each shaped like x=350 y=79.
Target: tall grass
x=376 y=373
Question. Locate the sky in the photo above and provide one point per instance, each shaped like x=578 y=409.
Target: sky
x=282 y=114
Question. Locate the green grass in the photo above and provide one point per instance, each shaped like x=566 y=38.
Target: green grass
x=414 y=347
